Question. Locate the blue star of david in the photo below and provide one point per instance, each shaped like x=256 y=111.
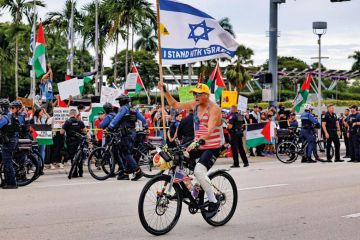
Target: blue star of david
x=204 y=35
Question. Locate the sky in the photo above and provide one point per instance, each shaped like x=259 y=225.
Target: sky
x=250 y=19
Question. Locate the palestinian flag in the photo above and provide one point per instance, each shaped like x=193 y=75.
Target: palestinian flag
x=96 y=108
x=216 y=83
x=42 y=133
x=39 y=54
x=258 y=134
x=139 y=83
x=88 y=79
x=302 y=95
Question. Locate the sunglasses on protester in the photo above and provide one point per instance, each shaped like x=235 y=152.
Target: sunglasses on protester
x=197 y=94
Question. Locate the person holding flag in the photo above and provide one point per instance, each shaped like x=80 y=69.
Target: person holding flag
x=46 y=90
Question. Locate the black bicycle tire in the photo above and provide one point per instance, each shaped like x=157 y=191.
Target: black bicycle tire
x=74 y=164
x=112 y=168
x=41 y=165
x=291 y=160
x=160 y=172
x=33 y=178
x=141 y=205
x=235 y=192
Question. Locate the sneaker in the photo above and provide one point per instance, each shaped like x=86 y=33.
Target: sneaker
x=138 y=175
x=212 y=209
x=339 y=160
x=9 y=186
x=233 y=166
x=52 y=167
x=123 y=176
x=61 y=166
x=246 y=165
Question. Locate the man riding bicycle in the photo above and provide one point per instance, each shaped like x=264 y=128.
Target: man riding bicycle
x=208 y=127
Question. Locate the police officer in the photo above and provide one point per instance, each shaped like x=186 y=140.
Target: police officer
x=344 y=131
x=331 y=128
x=10 y=125
x=235 y=126
x=353 y=126
x=126 y=120
x=72 y=126
x=110 y=115
x=308 y=122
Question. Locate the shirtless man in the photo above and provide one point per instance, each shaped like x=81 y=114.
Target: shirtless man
x=208 y=127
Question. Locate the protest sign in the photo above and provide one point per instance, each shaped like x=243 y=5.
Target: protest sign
x=85 y=118
x=228 y=99
x=130 y=83
x=25 y=101
x=184 y=94
x=109 y=94
x=242 y=103
x=69 y=88
x=61 y=115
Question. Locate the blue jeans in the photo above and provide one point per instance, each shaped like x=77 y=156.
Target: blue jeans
x=307 y=135
x=7 y=157
x=42 y=152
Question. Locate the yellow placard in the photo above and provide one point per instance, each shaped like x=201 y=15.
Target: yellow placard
x=228 y=99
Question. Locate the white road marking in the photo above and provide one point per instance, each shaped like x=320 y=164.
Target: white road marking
x=73 y=184
x=355 y=215
x=261 y=187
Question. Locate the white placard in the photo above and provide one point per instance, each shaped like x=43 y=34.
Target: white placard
x=109 y=94
x=69 y=88
x=130 y=83
x=85 y=118
x=242 y=103
x=266 y=95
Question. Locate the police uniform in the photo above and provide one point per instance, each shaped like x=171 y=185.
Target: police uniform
x=125 y=120
x=354 y=139
x=331 y=121
x=307 y=132
x=71 y=126
x=10 y=126
x=236 y=132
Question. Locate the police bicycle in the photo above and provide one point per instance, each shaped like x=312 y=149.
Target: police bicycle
x=81 y=153
x=25 y=163
x=288 y=151
x=161 y=199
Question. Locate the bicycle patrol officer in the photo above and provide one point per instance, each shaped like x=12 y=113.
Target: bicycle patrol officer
x=353 y=126
x=307 y=132
x=110 y=115
x=71 y=126
x=10 y=127
x=331 y=128
x=126 y=120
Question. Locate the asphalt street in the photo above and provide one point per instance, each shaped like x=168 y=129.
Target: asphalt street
x=276 y=201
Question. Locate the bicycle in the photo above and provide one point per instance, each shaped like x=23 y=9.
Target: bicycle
x=288 y=151
x=82 y=151
x=25 y=164
x=166 y=193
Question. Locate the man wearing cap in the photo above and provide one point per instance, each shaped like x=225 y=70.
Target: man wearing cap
x=331 y=127
x=207 y=127
x=353 y=126
x=308 y=121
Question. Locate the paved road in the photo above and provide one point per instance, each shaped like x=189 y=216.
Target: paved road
x=276 y=201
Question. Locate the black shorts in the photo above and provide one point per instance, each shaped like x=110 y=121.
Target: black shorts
x=207 y=157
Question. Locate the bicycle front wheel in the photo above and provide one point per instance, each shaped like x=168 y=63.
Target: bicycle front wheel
x=101 y=164
x=287 y=152
x=27 y=171
x=159 y=209
x=226 y=192
x=145 y=162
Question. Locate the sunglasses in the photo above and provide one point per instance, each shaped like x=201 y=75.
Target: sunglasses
x=197 y=94
x=13 y=108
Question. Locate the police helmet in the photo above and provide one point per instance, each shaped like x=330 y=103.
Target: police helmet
x=4 y=103
x=107 y=107
x=16 y=104
x=123 y=99
x=308 y=107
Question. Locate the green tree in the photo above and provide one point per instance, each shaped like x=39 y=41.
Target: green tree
x=147 y=40
x=237 y=73
x=290 y=63
x=356 y=57
x=17 y=9
x=227 y=26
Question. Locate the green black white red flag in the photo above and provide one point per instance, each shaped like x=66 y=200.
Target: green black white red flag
x=216 y=83
x=303 y=94
x=39 y=55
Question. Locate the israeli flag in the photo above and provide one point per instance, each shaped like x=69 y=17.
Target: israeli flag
x=189 y=35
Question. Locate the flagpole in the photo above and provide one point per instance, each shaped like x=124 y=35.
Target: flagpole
x=160 y=68
x=33 y=77
x=72 y=39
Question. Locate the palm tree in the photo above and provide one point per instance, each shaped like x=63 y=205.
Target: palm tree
x=147 y=40
x=236 y=73
x=5 y=53
x=17 y=9
x=131 y=13
x=227 y=26
x=356 y=57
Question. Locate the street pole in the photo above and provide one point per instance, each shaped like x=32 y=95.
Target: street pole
x=97 y=84
x=319 y=79
x=72 y=39
x=33 y=77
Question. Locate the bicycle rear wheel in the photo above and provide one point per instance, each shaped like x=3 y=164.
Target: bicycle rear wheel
x=101 y=164
x=225 y=191
x=145 y=162
x=159 y=210
x=28 y=171
x=287 y=152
